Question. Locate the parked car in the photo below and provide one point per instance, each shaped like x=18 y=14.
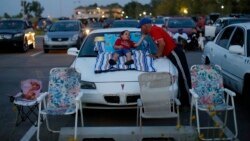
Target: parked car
x=173 y=24
x=91 y=26
x=231 y=50
x=125 y=23
x=17 y=34
x=43 y=23
x=222 y=22
x=159 y=22
x=63 y=34
x=112 y=88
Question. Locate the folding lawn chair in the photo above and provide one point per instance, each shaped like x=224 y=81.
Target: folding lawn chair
x=63 y=97
x=208 y=94
x=157 y=99
x=26 y=101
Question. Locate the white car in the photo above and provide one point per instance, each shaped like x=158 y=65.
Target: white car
x=111 y=87
x=231 y=50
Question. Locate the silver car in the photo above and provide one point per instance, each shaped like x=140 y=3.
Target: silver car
x=63 y=35
x=231 y=50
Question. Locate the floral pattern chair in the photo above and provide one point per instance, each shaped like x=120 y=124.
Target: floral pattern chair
x=63 y=97
x=209 y=94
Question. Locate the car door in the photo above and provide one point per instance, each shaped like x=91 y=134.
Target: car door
x=234 y=65
x=221 y=45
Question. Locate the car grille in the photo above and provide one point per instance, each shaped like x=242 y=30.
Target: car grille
x=59 y=39
x=132 y=98
x=112 y=99
x=116 y=99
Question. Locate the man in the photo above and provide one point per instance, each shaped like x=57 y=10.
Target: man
x=167 y=47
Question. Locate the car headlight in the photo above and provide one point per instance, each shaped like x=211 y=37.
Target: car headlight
x=18 y=35
x=87 y=31
x=87 y=85
x=46 y=38
x=75 y=37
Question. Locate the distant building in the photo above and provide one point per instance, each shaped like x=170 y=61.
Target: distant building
x=97 y=12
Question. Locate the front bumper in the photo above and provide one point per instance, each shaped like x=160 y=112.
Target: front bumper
x=59 y=44
x=115 y=95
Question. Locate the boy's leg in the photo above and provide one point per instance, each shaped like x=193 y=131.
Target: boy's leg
x=113 y=60
x=129 y=58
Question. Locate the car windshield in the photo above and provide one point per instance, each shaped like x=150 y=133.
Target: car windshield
x=64 y=26
x=181 y=23
x=87 y=49
x=125 y=23
x=11 y=25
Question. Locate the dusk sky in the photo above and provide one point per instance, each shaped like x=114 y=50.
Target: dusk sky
x=57 y=8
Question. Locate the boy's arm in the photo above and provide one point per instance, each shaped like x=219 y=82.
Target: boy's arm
x=117 y=46
x=140 y=41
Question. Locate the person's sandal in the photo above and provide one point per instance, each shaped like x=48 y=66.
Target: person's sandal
x=112 y=62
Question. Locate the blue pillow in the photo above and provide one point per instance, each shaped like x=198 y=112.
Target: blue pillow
x=110 y=41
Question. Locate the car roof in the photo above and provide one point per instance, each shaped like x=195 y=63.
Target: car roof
x=68 y=21
x=107 y=30
x=245 y=25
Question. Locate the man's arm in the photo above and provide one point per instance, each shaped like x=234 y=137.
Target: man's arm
x=161 y=44
x=140 y=41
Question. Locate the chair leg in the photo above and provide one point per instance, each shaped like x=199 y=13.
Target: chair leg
x=140 y=112
x=191 y=113
x=76 y=119
x=81 y=112
x=38 y=123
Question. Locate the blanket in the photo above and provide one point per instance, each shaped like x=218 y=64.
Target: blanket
x=142 y=62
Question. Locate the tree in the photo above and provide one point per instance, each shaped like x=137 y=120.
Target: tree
x=133 y=8
x=36 y=8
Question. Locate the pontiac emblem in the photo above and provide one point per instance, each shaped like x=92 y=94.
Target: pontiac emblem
x=59 y=39
x=122 y=85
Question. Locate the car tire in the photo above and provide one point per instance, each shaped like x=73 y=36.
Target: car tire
x=46 y=50
x=24 y=46
x=32 y=46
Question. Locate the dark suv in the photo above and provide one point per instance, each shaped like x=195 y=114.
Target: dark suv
x=17 y=34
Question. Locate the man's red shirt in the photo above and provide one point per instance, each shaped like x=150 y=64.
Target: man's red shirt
x=158 y=33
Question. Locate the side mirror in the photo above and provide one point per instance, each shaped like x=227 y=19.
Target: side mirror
x=236 y=49
x=73 y=51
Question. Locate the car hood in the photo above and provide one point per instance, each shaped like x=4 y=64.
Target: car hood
x=62 y=34
x=86 y=67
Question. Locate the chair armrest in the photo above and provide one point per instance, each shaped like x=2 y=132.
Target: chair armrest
x=18 y=94
x=79 y=96
x=177 y=101
x=42 y=96
x=139 y=103
x=231 y=93
x=193 y=93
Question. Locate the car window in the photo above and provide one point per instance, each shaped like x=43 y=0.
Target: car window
x=64 y=26
x=125 y=23
x=224 y=37
x=238 y=37
x=87 y=49
x=11 y=25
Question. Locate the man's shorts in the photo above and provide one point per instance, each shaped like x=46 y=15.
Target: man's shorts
x=122 y=51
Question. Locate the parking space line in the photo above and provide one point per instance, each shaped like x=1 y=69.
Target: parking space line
x=29 y=133
x=35 y=54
